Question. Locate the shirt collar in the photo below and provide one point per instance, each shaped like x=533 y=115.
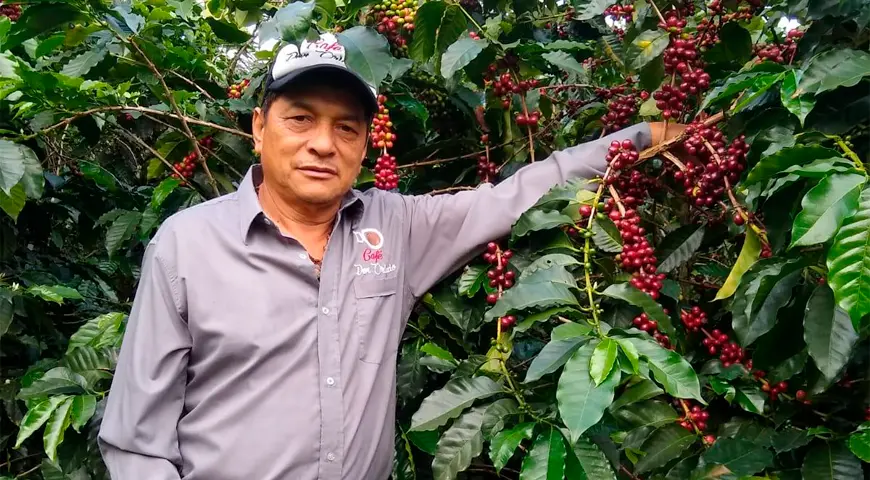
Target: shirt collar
x=249 y=203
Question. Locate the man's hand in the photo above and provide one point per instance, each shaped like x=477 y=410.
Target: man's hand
x=661 y=133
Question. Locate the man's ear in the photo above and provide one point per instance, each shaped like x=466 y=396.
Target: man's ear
x=258 y=123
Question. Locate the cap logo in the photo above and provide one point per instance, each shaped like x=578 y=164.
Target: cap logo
x=325 y=49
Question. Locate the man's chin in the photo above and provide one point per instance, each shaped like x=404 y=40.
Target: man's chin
x=321 y=195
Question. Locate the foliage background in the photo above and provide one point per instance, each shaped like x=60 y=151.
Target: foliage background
x=101 y=102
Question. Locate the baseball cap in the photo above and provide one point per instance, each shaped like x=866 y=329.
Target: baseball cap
x=323 y=56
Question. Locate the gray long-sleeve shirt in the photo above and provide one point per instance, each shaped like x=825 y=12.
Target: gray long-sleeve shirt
x=238 y=364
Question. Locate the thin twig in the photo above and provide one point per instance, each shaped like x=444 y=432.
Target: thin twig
x=450 y=189
x=231 y=69
x=658 y=12
x=210 y=151
x=615 y=195
x=673 y=159
x=28 y=472
x=116 y=108
x=157 y=154
x=190 y=82
x=177 y=110
x=627 y=472
x=656 y=149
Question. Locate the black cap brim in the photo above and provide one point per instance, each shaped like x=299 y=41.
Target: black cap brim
x=354 y=82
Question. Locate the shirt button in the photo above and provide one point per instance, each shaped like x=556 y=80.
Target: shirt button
x=325 y=311
x=303 y=256
x=330 y=456
x=330 y=381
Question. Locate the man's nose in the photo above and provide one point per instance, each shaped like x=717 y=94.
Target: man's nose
x=322 y=140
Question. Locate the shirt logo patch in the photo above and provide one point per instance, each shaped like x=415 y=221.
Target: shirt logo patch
x=373 y=239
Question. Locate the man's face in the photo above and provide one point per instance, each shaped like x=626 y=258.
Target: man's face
x=311 y=144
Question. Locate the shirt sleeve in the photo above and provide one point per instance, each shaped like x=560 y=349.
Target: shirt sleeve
x=447 y=231
x=138 y=437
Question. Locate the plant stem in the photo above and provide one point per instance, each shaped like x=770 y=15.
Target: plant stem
x=160 y=157
x=117 y=108
x=657 y=149
x=477 y=25
x=689 y=416
x=177 y=110
x=450 y=189
x=208 y=150
x=587 y=263
x=849 y=153
x=658 y=12
x=529 y=129
x=615 y=195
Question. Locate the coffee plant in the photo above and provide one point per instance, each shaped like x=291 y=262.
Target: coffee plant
x=701 y=311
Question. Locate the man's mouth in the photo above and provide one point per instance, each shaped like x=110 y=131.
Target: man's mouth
x=318 y=172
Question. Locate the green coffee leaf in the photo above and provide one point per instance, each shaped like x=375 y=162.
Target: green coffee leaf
x=849 y=262
x=552 y=357
x=546 y=460
x=505 y=443
x=448 y=402
x=740 y=456
x=831 y=461
x=582 y=403
x=666 y=444
x=828 y=332
x=825 y=207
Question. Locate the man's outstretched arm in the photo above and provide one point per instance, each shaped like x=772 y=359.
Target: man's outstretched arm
x=138 y=438
x=447 y=231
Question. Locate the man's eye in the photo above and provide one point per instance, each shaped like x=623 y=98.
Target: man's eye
x=346 y=128
x=299 y=118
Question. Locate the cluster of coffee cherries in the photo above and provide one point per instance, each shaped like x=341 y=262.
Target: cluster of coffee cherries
x=382 y=126
x=743 y=12
x=470 y=5
x=620 y=12
x=693 y=318
x=504 y=86
x=633 y=185
x=672 y=23
x=681 y=60
x=382 y=138
x=774 y=389
x=235 y=90
x=637 y=253
x=10 y=10
x=779 y=53
x=486 y=170
x=188 y=164
x=622 y=106
x=386 y=173
x=528 y=120
x=670 y=100
x=648 y=282
x=643 y=322
x=393 y=19
x=622 y=154
x=705 y=183
x=720 y=343
x=697 y=417
x=500 y=277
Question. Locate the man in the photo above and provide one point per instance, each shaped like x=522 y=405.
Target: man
x=262 y=341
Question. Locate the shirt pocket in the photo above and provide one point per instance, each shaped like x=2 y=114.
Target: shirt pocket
x=376 y=317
